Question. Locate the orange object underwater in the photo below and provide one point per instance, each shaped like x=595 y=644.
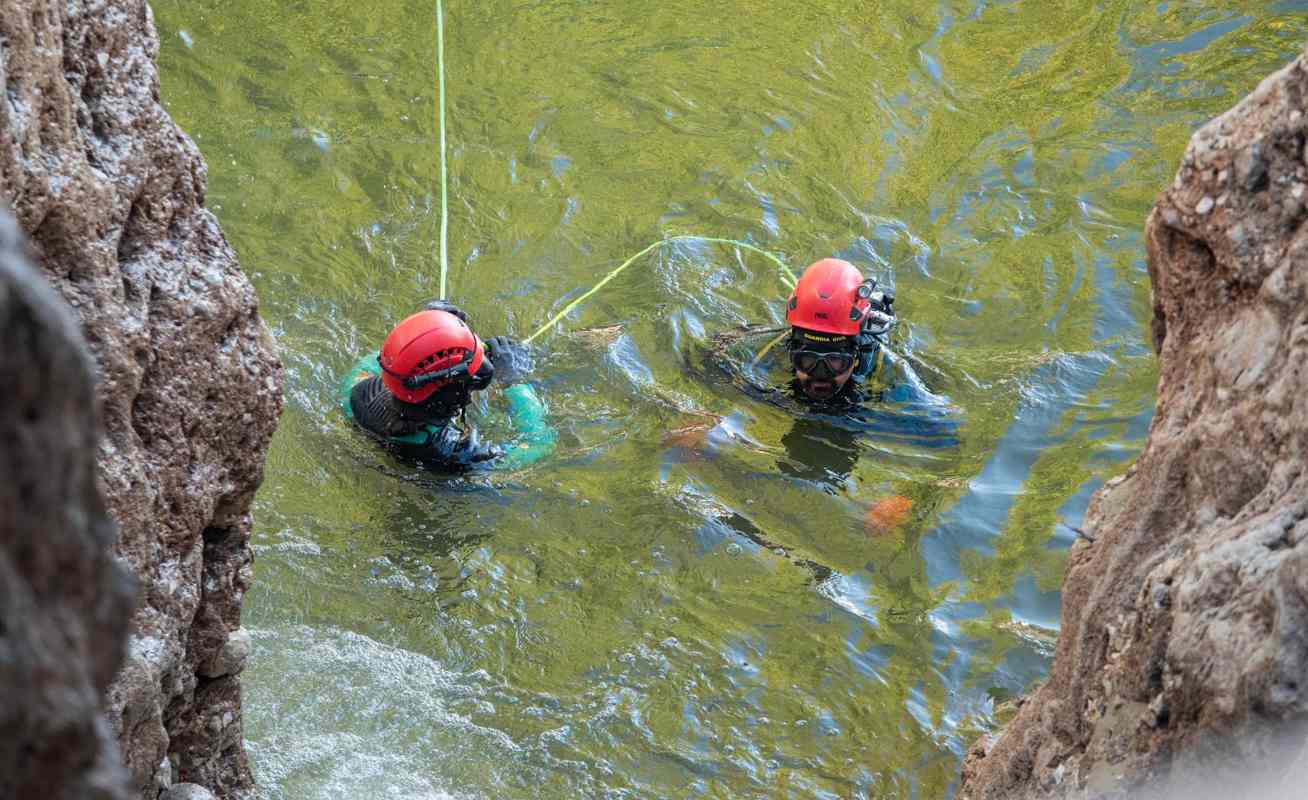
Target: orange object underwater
x=887 y=514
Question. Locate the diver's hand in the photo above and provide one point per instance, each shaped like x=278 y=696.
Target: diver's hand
x=446 y=306
x=456 y=448
x=878 y=323
x=512 y=360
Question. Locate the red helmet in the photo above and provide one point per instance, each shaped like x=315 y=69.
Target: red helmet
x=826 y=299
x=428 y=342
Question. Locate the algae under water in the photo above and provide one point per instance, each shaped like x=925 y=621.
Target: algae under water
x=699 y=595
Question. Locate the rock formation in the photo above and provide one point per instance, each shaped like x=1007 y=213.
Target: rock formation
x=111 y=193
x=64 y=600
x=1182 y=667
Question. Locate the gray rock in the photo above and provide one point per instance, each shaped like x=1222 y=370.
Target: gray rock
x=112 y=194
x=1251 y=168
x=163 y=776
x=64 y=600
x=1181 y=668
x=187 y=791
x=231 y=659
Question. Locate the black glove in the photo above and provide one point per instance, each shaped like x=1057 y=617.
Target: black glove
x=512 y=360
x=447 y=306
x=880 y=317
x=453 y=448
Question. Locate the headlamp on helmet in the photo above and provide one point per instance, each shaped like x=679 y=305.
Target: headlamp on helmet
x=426 y=352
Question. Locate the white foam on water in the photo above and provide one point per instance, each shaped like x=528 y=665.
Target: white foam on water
x=332 y=713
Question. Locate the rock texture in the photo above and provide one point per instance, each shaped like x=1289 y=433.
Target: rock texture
x=1182 y=667
x=64 y=600
x=187 y=791
x=111 y=193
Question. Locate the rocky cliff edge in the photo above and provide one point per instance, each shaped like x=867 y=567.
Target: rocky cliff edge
x=1182 y=665
x=111 y=194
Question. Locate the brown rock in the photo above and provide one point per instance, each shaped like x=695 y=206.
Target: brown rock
x=64 y=600
x=1182 y=667
x=112 y=194
x=187 y=791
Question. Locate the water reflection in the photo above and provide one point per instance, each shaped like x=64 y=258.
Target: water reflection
x=819 y=451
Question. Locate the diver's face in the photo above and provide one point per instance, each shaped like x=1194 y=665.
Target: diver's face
x=817 y=373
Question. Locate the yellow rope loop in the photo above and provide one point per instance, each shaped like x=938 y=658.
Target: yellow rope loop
x=788 y=277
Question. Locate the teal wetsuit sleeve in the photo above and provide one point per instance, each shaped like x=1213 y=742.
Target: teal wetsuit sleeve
x=363 y=369
x=535 y=438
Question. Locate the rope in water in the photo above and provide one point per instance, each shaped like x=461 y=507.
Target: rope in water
x=445 y=204
x=789 y=276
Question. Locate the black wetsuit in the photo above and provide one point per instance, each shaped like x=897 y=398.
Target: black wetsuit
x=428 y=433
x=883 y=400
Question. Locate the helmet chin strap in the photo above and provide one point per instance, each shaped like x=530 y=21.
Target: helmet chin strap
x=445 y=404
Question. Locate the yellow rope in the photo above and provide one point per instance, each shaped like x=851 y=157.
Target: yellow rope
x=789 y=276
x=445 y=203
x=768 y=347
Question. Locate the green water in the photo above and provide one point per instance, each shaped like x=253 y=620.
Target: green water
x=706 y=613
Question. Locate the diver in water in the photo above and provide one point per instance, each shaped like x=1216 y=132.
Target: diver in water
x=836 y=346
x=838 y=325
x=843 y=382
x=413 y=395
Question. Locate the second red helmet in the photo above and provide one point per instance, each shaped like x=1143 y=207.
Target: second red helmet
x=826 y=299
x=427 y=342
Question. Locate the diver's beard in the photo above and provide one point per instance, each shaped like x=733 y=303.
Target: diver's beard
x=818 y=389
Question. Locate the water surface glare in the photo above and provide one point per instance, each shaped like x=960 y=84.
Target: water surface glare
x=702 y=594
